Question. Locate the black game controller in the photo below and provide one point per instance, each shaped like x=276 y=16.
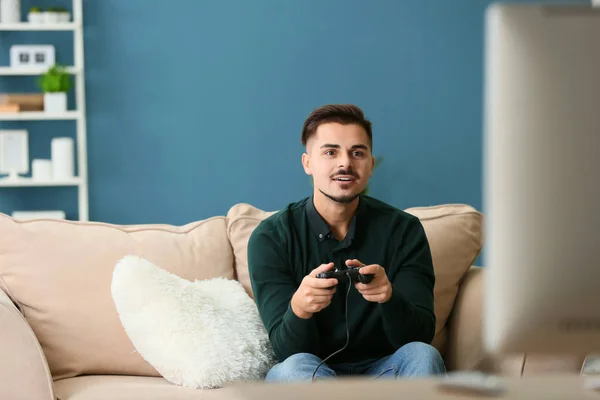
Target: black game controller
x=352 y=272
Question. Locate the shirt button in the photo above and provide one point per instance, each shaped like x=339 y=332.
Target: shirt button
x=320 y=236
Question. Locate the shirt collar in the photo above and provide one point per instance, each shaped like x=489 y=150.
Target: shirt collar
x=321 y=228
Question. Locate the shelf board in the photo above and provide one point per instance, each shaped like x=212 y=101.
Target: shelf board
x=37 y=116
x=30 y=71
x=29 y=182
x=29 y=26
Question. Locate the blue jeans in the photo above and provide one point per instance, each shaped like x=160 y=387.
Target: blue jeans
x=413 y=359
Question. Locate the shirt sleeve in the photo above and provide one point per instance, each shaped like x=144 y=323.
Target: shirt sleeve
x=273 y=286
x=409 y=314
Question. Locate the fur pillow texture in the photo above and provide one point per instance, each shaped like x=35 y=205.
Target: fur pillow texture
x=202 y=334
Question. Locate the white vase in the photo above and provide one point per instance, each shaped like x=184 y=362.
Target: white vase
x=10 y=11
x=62 y=151
x=64 y=16
x=55 y=102
x=51 y=17
x=35 y=17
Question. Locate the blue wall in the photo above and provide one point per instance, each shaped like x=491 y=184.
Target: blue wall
x=195 y=105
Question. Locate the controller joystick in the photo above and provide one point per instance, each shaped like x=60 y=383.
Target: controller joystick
x=352 y=272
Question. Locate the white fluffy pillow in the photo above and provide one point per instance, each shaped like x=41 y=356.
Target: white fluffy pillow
x=200 y=334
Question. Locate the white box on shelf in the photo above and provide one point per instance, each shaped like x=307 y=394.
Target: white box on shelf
x=63 y=158
x=41 y=170
x=14 y=152
x=29 y=215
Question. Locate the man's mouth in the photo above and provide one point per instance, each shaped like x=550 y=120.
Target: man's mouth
x=344 y=178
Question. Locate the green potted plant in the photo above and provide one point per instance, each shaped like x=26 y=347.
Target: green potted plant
x=35 y=15
x=55 y=84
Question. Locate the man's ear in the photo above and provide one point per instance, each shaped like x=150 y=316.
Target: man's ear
x=306 y=164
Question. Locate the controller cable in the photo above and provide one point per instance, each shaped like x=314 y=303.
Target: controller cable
x=347 y=331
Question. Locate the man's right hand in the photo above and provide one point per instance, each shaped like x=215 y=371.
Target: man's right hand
x=314 y=294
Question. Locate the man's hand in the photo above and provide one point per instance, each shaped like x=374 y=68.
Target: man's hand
x=314 y=294
x=379 y=290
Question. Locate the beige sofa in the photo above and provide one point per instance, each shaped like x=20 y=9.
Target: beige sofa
x=61 y=336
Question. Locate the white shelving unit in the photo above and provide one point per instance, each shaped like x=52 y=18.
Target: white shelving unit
x=78 y=115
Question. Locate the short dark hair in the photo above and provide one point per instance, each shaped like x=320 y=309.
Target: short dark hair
x=344 y=114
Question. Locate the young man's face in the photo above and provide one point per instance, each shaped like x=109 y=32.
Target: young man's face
x=339 y=159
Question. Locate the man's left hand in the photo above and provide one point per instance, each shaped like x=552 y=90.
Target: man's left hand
x=379 y=290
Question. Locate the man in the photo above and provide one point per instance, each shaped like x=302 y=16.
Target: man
x=328 y=327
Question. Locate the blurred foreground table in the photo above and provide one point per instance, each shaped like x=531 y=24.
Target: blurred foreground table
x=569 y=387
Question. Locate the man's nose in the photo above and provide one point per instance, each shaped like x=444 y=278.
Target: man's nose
x=344 y=161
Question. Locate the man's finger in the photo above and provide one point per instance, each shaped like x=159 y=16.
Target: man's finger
x=320 y=283
x=371 y=292
x=324 y=292
x=373 y=298
x=321 y=268
x=370 y=269
x=365 y=286
x=354 y=263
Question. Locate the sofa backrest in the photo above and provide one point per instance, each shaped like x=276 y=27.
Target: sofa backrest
x=454 y=232
x=60 y=272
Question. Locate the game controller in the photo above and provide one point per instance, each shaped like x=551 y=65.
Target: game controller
x=352 y=272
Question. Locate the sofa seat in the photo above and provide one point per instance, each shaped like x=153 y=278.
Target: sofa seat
x=119 y=387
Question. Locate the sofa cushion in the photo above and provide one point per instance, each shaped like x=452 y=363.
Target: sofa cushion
x=202 y=334
x=455 y=235
x=60 y=273
x=454 y=232
x=242 y=219
x=106 y=387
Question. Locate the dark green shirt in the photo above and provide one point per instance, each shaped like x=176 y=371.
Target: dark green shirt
x=288 y=245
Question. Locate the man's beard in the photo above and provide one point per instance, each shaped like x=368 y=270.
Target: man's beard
x=341 y=199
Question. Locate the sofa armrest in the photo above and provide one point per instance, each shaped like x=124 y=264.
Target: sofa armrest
x=465 y=332
x=24 y=372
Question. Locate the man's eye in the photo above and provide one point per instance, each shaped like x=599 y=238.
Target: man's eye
x=329 y=152
x=358 y=153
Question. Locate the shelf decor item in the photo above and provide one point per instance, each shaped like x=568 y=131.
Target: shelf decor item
x=10 y=11
x=14 y=153
x=63 y=158
x=35 y=15
x=63 y=15
x=45 y=214
x=55 y=84
x=28 y=55
x=52 y=16
x=41 y=169
x=56 y=15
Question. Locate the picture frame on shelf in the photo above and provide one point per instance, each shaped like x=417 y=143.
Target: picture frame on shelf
x=14 y=152
x=34 y=56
